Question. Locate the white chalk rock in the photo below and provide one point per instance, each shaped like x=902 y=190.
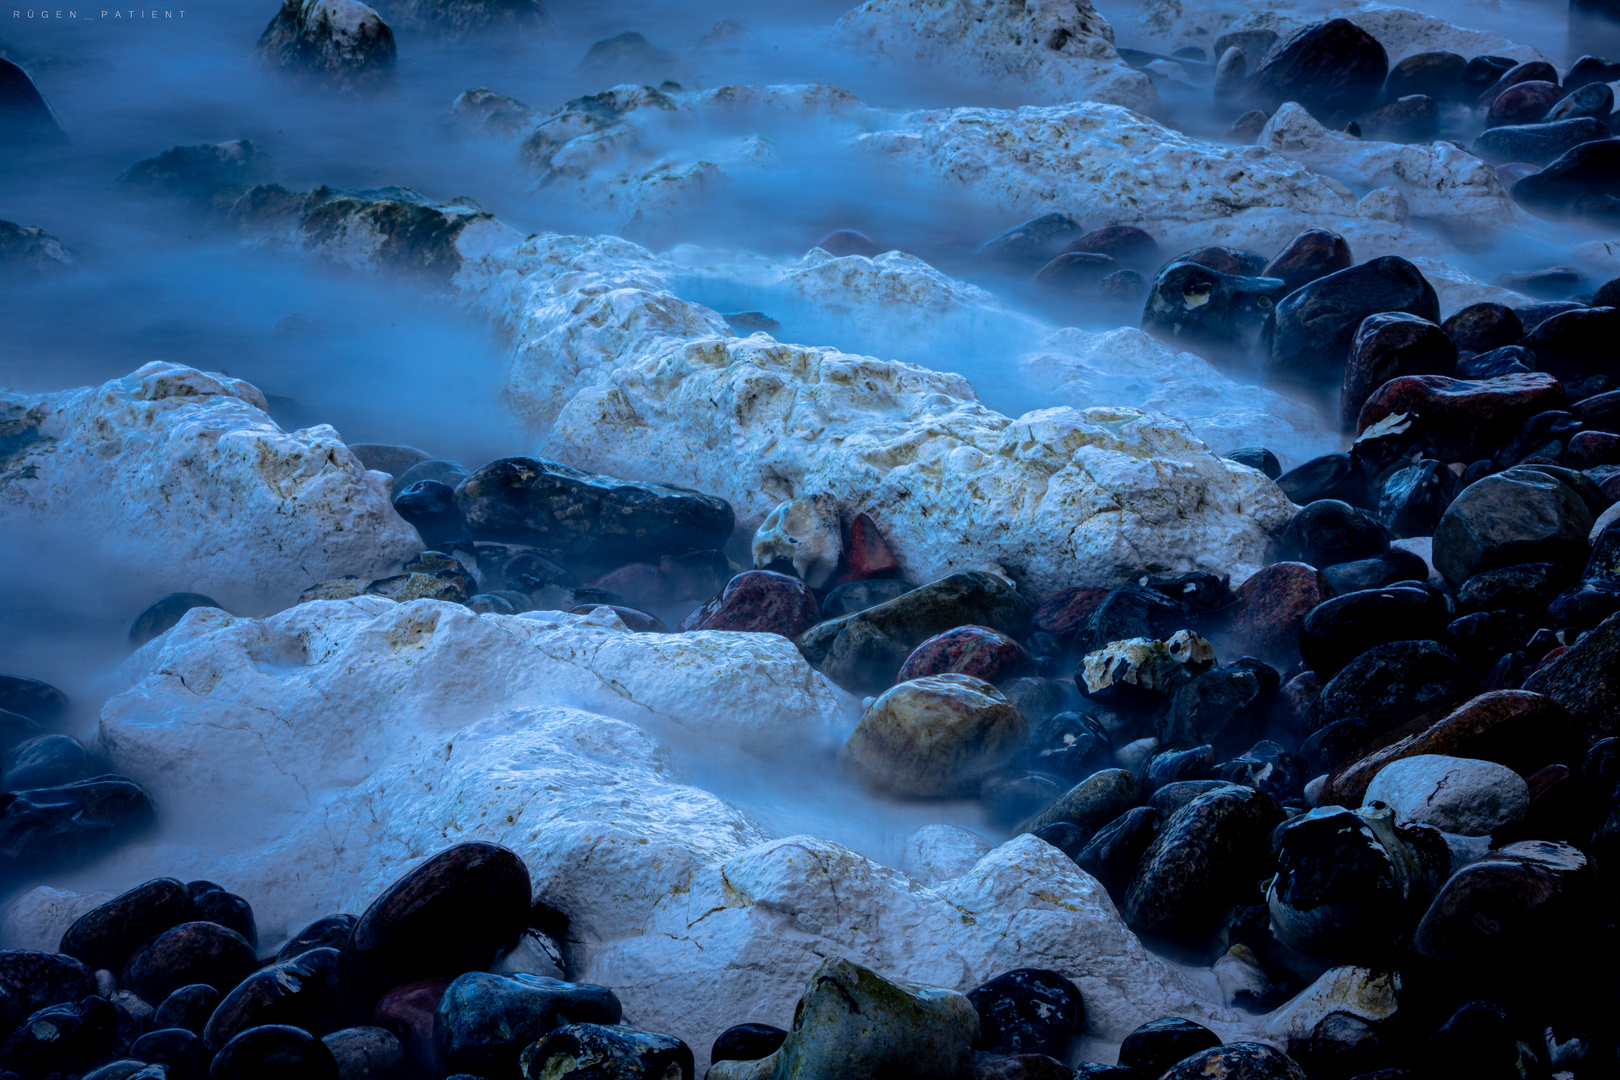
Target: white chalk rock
x=1044 y=50
x=936 y=853
x=1129 y=367
x=1455 y=795
x=39 y=917
x=1438 y=180
x=180 y=479
x=633 y=381
x=320 y=695
x=753 y=929
x=1368 y=995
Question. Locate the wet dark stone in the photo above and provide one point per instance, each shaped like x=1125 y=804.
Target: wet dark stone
x=1413 y=118
x=1204 y=709
x=180 y=1050
x=188 y=1007
x=1518 y=516
x=1092 y=803
x=1393 y=683
x=1028 y=1011
x=1257 y=457
x=107 y=936
x=440 y=471
x=1604 y=562
x=407 y=1011
x=1316 y=325
x=1588 y=70
x=1198 y=590
x=1538 y=143
x=1523 y=103
x=454 y=912
x=1237 y=1061
x=1415 y=497
x=1066 y=837
x=1159 y=1044
x=45 y=761
x=1329 y=68
x=1075 y=271
x=274 y=1052
x=1587 y=449
x=58 y=1039
x=1584 y=486
x=1513 y=905
x=30 y=981
x=38 y=701
x=1195 y=307
x=1461 y=419
x=1594 y=101
x=330 y=932
x=366 y=1053
x=122 y=1069
x=1312 y=254
x=484 y=1021
x=607 y=1053
x=759 y=601
x=1484 y=326
x=26 y=119
x=747 y=1042
x=1034 y=243
x=1331 y=476
x=1529 y=71
x=1206 y=858
x=1126 y=288
x=1528 y=587
x=1542 y=438
x=70 y=824
x=1344 y=627
x=968 y=650
x=1396 y=564
x=1590 y=169
x=1173 y=796
x=1330 y=531
x=569 y=514
x=1130 y=611
x=16 y=729
x=1112 y=855
x=1175 y=766
x=862 y=652
x=842 y=242
x=853 y=596
x=1534 y=314
x=1272 y=605
x=162 y=614
x=1485 y=635
x=1126 y=244
x=1483 y=72
x=193 y=952
x=302 y=992
x=1575 y=344
x=1331 y=745
x=1065 y=613
x=213 y=903
x=1437 y=74
x=431 y=507
x=1585 y=679
x=1508 y=360
x=1388 y=346
x=1071 y=745
x=1247 y=128
x=1234 y=262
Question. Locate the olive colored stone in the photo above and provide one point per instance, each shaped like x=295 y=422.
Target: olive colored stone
x=939 y=736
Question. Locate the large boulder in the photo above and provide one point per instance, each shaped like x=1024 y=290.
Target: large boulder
x=1331 y=68
x=938 y=736
x=26 y=118
x=1462 y=419
x=342 y=41
x=182 y=479
x=1518 y=516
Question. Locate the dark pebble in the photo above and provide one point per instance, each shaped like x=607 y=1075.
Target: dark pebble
x=274 y=1052
x=162 y=614
x=193 y=952
x=1028 y=1011
x=108 y=935
x=747 y=1042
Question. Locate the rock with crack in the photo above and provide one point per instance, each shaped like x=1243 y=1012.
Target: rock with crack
x=1046 y=50
x=1438 y=180
x=318 y=694
x=180 y=478
x=631 y=380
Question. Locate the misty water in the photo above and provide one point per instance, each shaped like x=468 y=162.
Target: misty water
x=380 y=360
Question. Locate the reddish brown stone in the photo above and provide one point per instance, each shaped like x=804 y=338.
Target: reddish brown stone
x=1526 y=103
x=968 y=650
x=1385 y=347
x=759 y=601
x=1590 y=448
x=638 y=621
x=1271 y=607
x=1126 y=244
x=1524 y=731
x=638 y=585
x=407 y=1011
x=1312 y=254
x=1464 y=419
x=1295 y=698
x=1544 y=779
x=868 y=554
x=1066 y=612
